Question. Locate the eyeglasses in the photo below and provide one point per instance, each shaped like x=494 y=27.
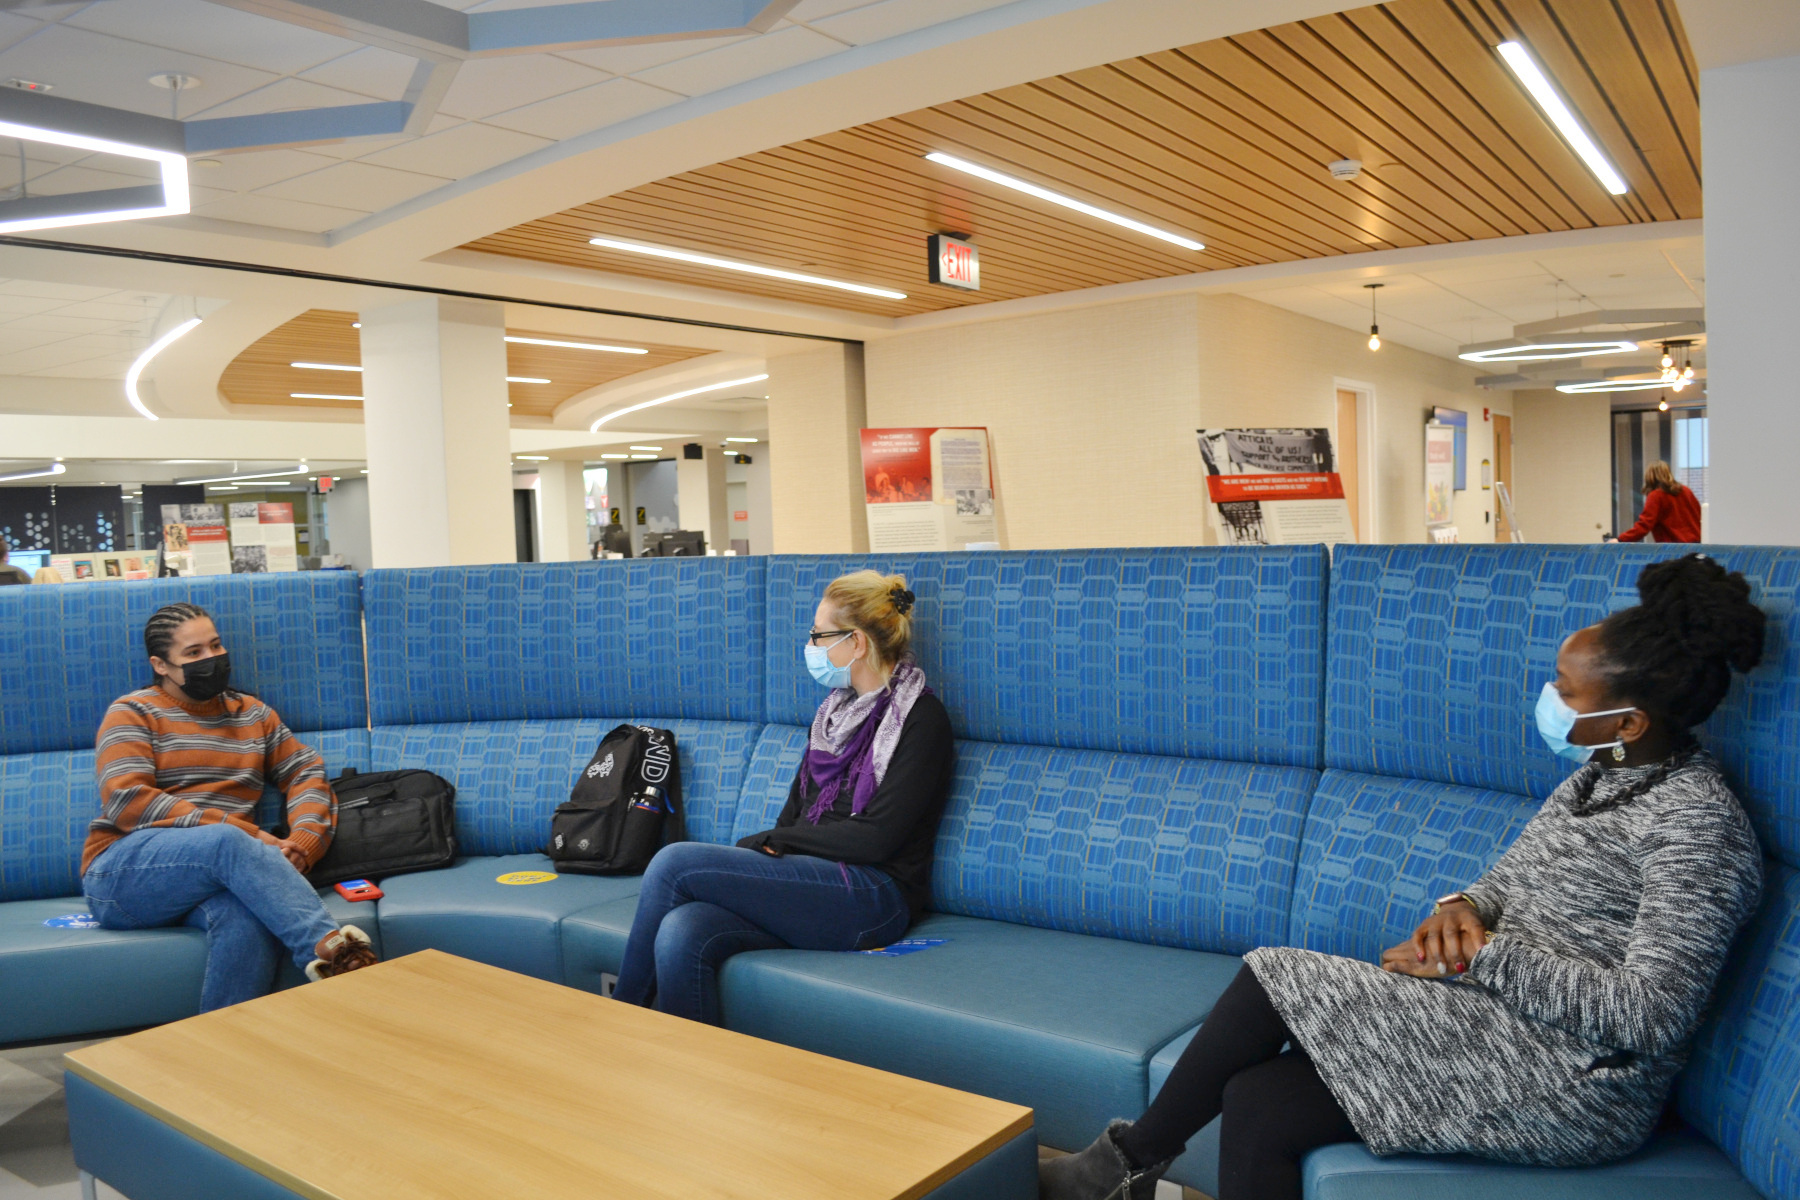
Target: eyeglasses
x=840 y=634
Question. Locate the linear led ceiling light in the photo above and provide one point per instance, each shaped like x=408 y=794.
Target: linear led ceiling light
x=1032 y=189
x=731 y=264
x=143 y=360
x=1610 y=385
x=1550 y=100
x=321 y=396
x=711 y=387
x=1515 y=352
x=302 y=470
x=52 y=469
x=525 y=379
x=531 y=341
x=169 y=198
x=326 y=367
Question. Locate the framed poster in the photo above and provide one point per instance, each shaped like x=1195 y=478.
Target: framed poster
x=1440 y=474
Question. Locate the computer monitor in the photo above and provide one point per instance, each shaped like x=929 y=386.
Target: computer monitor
x=683 y=543
x=29 y=561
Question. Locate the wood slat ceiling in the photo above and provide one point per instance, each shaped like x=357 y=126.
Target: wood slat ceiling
x=1226 y=141
x=261 y=374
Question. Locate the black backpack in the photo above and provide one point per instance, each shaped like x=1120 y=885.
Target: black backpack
x=389 y=823
x=625 y=807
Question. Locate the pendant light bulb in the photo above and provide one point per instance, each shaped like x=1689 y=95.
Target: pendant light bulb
x=1663 y=406
x=1668 y=360
x=1374 y=337
x=1374 y=328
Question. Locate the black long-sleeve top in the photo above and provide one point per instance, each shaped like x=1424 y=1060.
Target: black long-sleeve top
x=896 y=833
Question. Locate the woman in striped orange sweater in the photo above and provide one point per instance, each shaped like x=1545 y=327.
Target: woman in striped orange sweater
x=182 y=764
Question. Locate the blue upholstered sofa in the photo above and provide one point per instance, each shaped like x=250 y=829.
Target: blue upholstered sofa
x=1168 y=757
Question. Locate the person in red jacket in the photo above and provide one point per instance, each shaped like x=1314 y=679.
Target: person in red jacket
x=1670 y=513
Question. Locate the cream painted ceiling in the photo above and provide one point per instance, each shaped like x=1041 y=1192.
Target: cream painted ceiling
x=71 y=331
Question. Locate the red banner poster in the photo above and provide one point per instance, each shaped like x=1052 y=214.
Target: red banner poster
x=897 y=465
x=1320 y=486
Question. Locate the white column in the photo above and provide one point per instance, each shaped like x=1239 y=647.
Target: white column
x=1752 y=298
x=700 y=496
x=439 y=439
x=562 y=512
x=817 y=411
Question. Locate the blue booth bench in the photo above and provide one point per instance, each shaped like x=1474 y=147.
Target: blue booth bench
x=1166 y=758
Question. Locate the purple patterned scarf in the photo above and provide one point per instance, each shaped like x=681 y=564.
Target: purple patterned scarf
x=853 y=740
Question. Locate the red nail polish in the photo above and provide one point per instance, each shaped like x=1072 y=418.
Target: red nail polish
x=1460 y=968
x=1421 y=958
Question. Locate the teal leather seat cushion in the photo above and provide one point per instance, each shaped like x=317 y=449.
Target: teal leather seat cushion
x=1198 y=1165
x=465 y=910
x=1675 y=1166
x=593 y=942
x=1063 y=1022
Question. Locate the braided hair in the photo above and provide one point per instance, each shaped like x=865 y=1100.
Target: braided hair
x=1672 y=655
x=159 y=630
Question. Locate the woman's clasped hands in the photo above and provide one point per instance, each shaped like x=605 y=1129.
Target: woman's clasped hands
x=1444 y=944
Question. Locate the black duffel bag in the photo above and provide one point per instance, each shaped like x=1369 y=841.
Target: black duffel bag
x=389 y=823
x=625 y=807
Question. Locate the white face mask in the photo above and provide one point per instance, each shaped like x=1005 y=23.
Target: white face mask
x=1556 y=720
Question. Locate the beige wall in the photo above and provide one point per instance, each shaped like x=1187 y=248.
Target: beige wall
x=816 y=417
x=1092 y=411
x=1562 y=469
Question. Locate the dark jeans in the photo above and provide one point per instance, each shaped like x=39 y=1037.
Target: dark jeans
x=1275 y=1106
x=701 y=904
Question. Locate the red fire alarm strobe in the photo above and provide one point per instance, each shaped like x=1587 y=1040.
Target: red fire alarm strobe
x=954 y=262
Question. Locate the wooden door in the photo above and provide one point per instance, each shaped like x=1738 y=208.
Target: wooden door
x=1502 y=474
x=1348 y=453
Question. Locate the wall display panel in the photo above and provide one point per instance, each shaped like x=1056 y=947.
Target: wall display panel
x=89 y=519
x=25 y=518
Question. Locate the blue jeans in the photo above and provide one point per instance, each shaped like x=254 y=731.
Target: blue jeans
x=246 y=896
x=701 y=904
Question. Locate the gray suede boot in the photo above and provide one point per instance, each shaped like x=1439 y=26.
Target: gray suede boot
x=1101 y=1172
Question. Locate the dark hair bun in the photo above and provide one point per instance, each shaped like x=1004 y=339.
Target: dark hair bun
x=903 y=600
x=1673 y=653
x=1706 y=607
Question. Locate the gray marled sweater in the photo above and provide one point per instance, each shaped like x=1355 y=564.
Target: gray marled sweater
x=1559 y=1045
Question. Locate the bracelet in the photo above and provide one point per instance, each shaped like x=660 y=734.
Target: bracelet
x=1438 y=905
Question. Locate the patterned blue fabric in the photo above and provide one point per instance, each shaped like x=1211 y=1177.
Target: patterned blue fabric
x=1175 y=852
x=1378 y=851
x=1437 y=655
x=673 y=637
x=295 y=640
x=1741 y=1084
x=1205 y=653
x=47 y=800
x=511 y=775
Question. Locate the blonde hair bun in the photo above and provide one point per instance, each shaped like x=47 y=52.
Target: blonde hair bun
x=879 y=605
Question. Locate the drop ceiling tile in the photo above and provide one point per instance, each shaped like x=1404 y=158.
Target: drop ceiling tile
x=15 y=28
x=280 y=214
x=371 y=71
x=64 y=180
x=93 y=368
x=247 y=171
x=461 y=151
x=591 y=108
x=750 y=59
x=218 y=32
x=813 y=10
x=112 y=71
x=47 y=290
x=628 y=60
x=57 y=323
x=357 y=183
x=283 y=95
x=873 y=22
x=355 y=147
x=489 y=85
x=110 y=309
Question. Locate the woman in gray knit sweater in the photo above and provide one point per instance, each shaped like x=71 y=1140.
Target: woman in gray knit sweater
x=1539 y=1015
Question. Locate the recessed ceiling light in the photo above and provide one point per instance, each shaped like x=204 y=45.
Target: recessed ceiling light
x=656 y=449
x=730 y=264
x=711 y=387
x=1042 y=193
x=532 y=341
x=1548 y=351
x=321 y=396
x=143 y=360
x=525 y=379
x=356 y=324
x=533 y=457
x=306 y=366
x=1550 y=100
x=615 y=456
x=643 y=456
x=750 y=440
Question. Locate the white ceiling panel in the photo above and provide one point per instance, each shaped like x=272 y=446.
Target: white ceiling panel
x=110 y=309
x=357 y=147
x=257 y=168
x=812 y=10
x=372 y=71
x=378 y=187
x=485 y=86
x=57 y=323
x=215 y=31
x=590 y=108
x=279 y=213
x=872 y=22
x=749 y=59
x=628 y=60
x=64 y=180
x=108 y=70
x=15 y=28
x=283 y=95
x=460 y=151
x=92 y=368
x=46 y=290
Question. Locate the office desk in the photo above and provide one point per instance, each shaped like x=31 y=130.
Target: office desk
x=432 y=1076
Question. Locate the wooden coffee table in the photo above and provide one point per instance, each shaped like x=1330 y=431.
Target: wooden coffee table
x=434 y=1077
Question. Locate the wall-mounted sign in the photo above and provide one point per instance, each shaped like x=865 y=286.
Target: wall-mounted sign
x=954 y=262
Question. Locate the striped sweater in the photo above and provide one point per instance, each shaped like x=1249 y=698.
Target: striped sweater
x=164 y=763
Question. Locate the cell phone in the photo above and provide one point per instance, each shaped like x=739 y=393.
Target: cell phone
x=358 y=889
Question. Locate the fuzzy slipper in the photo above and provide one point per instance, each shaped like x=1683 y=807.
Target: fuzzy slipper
x=348 y=950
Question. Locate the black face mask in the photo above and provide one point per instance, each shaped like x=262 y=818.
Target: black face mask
x=206 y=678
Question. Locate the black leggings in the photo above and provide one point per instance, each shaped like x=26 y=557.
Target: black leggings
x=1276 y=1108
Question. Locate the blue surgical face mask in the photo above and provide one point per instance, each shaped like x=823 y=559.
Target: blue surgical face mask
x=1556 y=720
x=828 y=673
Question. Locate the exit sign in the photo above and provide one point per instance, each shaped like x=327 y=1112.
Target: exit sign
x=954 y=262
